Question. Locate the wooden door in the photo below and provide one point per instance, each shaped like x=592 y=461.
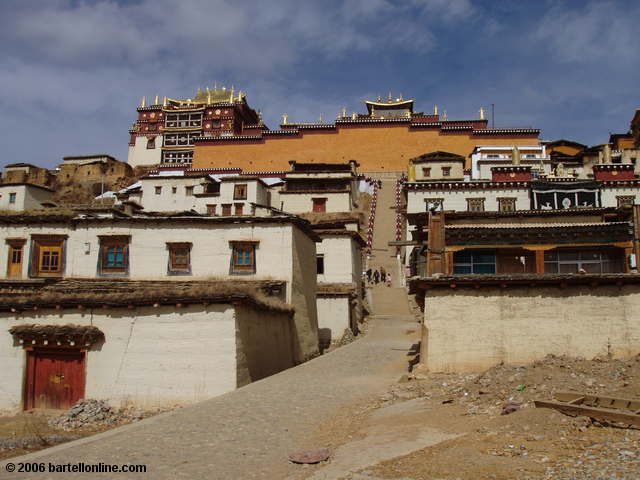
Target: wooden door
x=14 y=267
x=55 y=378
x=319 y=204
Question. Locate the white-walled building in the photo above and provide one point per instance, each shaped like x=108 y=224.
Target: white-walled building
x=24 y=196
x=52 y=245
x=140 y=343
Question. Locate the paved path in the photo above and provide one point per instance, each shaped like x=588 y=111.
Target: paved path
x=247 y=433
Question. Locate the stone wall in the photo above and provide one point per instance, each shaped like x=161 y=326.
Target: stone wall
x=469 y=330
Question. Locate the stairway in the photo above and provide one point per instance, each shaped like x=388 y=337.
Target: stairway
x=386 y=300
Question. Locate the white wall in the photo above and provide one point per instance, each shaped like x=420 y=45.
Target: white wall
x=148 y=254
x=457 y=199
x=608 y=195
x=27 y=197
x=303 y=202
x=339 y=261
x=139 y=154
x=151 y=356
x=333 y=317
x=474 y=329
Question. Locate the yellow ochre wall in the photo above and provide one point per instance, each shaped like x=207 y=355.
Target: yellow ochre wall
x=379 y=148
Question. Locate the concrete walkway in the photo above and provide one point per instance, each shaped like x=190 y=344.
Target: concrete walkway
x=247 y=433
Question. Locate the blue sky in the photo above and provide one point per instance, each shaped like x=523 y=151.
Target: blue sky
x=72 y=72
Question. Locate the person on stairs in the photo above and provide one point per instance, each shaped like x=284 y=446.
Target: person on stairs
x=369 y=275
x=383 y=275
x=376 y=276
x=388 y=279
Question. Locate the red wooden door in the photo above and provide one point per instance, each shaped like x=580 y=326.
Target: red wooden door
x=319 y=204
x=55 y=378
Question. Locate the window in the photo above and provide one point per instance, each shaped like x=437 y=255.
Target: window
x=626 y=200
x=47 y=256
x=426 y=172
x=211 y=210
x=319 y=204
x=179 y=258
x=446 y=171
x=493 y=155
x=474 y=261
x=174 y=190
x=434 y=204
x=238 y=209
x=184 y=156
x=320 y=264
x=507 y=204
x=571 y=260
x=182 y=139
x=240 y=192
x=151 y=143
x=158 y=190
x=12 y=197
x=243 y=258
x=183 y=120
x=475 y=204
x=114 y=255
x=226 y=209
x=188 y=191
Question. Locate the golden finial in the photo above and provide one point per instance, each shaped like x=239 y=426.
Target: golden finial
x=389 y=97
x=188 y=101
x=435 y=109
x=232 y=92
x=165 y=101
x=343 y=112
x=354 y=116
x=143 y=102
x=444 y=115
x=260 y=117
x=481 y=113
x=157 y=100
x=285 y=119
x=401 y=98
x=378 y=99
x=321 y=119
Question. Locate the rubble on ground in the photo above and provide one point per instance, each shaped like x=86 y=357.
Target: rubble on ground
x=33 y=441
x=92 y=413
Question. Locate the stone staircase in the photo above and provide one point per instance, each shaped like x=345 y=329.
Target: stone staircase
x=386 y=300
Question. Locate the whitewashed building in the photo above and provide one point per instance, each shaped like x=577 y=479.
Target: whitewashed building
x=50 y=246
x=24 y=196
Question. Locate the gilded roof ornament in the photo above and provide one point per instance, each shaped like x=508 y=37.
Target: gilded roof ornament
x=435 y=109
x=354 y=116
x=285 y=119
x=321 y=119
x=157 y=100
x=143 y=102
x=165 y=101
x=343 y=112
x=481 y=113
x=444 y=115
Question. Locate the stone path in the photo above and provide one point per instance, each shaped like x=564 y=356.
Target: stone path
x=247 y=433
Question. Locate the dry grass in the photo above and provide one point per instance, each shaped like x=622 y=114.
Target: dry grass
x=85 y=294
x=318 y=219
x=87 y=333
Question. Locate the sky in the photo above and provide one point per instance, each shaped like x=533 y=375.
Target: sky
x=72 y=72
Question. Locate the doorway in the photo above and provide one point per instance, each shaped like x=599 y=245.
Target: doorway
x=55 y=378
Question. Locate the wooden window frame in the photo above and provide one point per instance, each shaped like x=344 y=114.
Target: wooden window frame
x=471 y=200
x=319 y=201
x=320 y=264
x=620 y=200
x=13 y=197
x=107 y=241
x=446 y=171
x=158 y=190
x=211 y=210
x=151 y=143
x=238 y=209
x=238 y=266
x=188 y=190
x=503 y=201
x=426 y=171
x=226 y=209
x=240 y=191
x=51 y=243
x=179 y=268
